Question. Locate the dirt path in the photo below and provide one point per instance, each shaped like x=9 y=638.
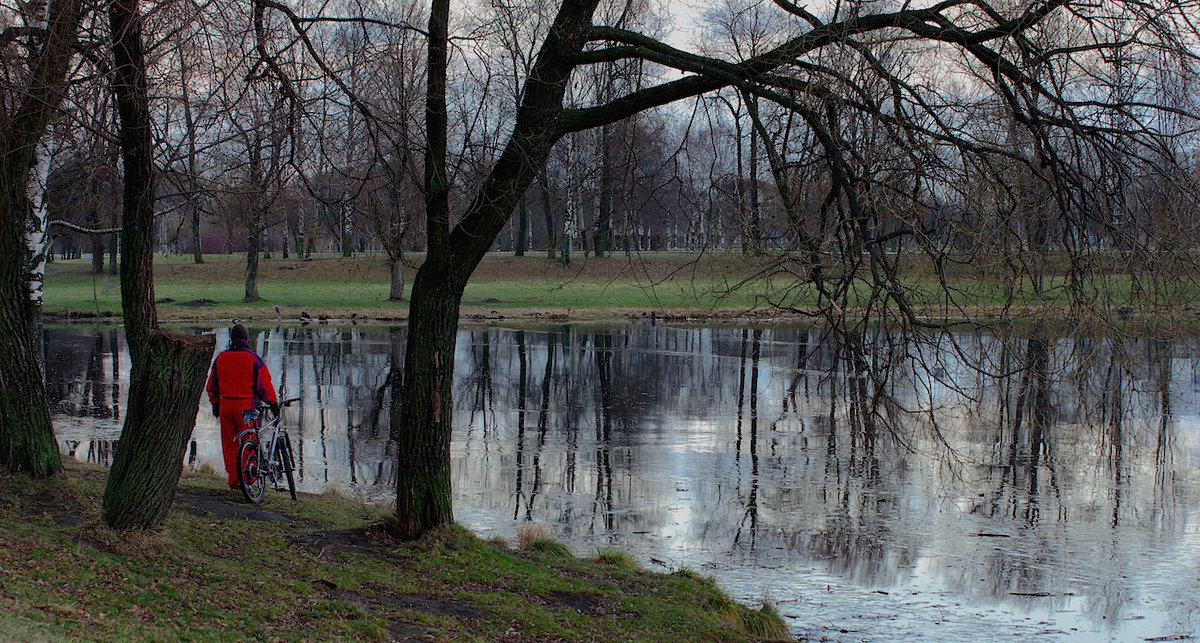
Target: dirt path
x=224 y=505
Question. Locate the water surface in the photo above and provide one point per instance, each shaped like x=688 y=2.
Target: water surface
x=875 y=489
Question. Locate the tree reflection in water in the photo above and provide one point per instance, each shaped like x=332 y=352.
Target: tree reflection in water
x=1018 y=470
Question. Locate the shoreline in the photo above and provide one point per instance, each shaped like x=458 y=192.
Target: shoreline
x=1153 y=323
x=688 y=288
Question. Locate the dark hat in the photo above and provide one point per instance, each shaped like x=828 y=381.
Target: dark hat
x=239 y=332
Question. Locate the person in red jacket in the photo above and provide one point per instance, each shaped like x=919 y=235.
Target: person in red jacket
x=239 y=380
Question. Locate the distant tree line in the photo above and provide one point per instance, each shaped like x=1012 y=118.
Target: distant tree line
x=332 y=161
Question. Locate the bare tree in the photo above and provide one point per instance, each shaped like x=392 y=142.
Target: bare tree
x=388 y=74
x=518 y=28
x=792 y=76
x=187 y=104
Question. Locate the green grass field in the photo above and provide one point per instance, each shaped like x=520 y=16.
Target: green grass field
x=503 y=285
x=708 y=286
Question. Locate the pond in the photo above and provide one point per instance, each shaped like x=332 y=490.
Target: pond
x=875 y=488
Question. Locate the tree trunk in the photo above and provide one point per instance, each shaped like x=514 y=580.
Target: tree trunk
x=347 y=232
x=602 y=238
x=158 y=424
x=115 y=240
x=551 y=242
x=571 y=211
x=137 y=154
x=522 y=228
x=38 y=244
x=197 y=246
x=97 y=254
x=742 y=200
x=252 y=267
x=756 y=231
x=26 y=437
x=423 y=492
x=193 y=184
x=397 y=269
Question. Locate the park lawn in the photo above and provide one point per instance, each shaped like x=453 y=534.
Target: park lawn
x=340 y=287
x=713 y=285
x=320 y=569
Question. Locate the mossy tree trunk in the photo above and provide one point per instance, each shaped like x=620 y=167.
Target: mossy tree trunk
x=423 y=492
x=26 y=436
x=158 y=425
x=167 y=369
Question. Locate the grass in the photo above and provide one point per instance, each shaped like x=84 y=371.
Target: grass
x=616 y=558
x=528 y=286
x=319 y=569
x=711 y=285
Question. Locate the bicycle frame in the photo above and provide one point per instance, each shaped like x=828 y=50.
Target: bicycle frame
x=261 y=460
x=255 y=432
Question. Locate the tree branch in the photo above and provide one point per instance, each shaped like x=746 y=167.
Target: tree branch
x=81 y=229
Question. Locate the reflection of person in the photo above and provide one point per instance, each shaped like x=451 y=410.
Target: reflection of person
x=239 y=380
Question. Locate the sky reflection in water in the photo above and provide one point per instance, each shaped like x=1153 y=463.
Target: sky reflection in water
x=889 y=491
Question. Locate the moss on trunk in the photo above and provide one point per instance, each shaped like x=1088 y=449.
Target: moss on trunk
x=158 y=425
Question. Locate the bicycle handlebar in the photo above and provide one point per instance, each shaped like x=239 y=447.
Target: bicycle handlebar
x=281 y=403
x=255 y=412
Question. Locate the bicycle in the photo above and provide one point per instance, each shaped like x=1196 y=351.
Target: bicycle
x=260 y=461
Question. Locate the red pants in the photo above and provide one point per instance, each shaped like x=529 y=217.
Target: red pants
x=231 y=425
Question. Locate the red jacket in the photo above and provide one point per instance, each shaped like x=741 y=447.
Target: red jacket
x=240 y=374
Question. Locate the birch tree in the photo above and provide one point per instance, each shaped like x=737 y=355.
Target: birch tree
x=37 y=49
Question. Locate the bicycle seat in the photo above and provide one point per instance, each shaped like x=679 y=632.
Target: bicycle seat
x=249 y=414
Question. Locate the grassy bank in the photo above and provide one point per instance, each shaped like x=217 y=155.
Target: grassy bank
x=319 y=569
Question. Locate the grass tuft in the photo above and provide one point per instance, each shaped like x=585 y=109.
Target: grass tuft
x=764 y=623
x=616 y=558
x=551 y=549
x=529 y=533
x=452 y=538
x=497 y=541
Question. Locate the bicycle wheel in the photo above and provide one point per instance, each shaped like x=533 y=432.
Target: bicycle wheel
x=287 y=463
x=250 y=473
